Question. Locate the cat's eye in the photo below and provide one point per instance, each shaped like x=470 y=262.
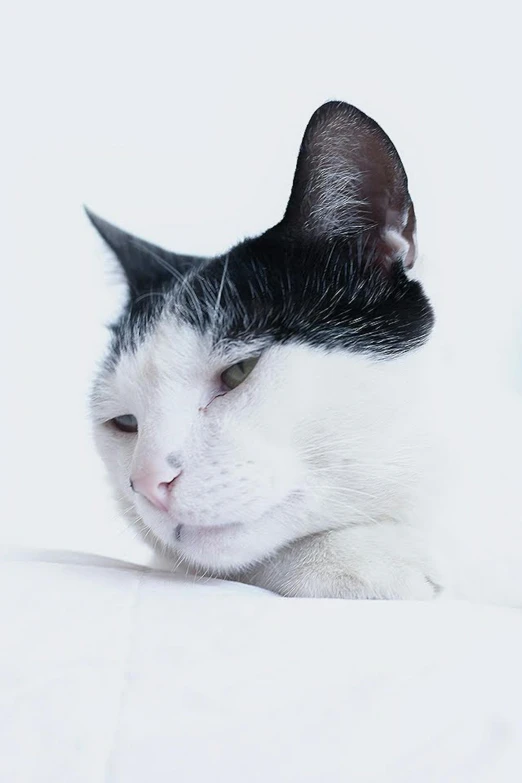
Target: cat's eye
x=235 y=375
x=125 y=423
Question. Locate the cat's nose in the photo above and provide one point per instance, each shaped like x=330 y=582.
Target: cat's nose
x=156 y=485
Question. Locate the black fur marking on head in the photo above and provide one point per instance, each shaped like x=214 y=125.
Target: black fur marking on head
x=330 y=274
x=329 y=294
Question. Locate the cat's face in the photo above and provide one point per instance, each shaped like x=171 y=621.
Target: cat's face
x=254 y=398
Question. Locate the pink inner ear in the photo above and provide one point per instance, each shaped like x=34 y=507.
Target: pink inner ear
x=400 y=248
x=399 y=236
x=411 y=255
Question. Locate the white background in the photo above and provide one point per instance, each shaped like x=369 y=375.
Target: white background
x=181 y=122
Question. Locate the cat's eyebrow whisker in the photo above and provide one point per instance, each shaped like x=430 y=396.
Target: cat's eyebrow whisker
x=220 y=292
x=238 y=303
x=186 y=288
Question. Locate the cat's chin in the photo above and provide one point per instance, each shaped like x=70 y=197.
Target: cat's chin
x=215 y=547
x=210 y=546
x=222 y=548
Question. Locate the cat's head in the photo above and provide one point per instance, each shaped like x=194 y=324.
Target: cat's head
x=253 y=398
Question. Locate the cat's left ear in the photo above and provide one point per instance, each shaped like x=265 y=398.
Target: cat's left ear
x=146 y=267
x=350 y=181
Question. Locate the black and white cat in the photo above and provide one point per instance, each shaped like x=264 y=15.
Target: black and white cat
x=284 y=413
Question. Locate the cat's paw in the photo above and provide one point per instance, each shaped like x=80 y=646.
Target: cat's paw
x=401 y=583
x=365 y=563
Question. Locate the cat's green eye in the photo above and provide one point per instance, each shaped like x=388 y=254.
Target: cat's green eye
x=235 y=375
x=125 y=423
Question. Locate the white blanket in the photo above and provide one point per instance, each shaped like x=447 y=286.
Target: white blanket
x=113 y=673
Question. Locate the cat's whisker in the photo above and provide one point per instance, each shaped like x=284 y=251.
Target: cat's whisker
x=349 y=491
x=357 y=512
x=220 y=293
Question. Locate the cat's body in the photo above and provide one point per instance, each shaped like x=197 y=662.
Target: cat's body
x=286 y=415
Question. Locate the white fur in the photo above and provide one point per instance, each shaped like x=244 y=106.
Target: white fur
x=324 y=473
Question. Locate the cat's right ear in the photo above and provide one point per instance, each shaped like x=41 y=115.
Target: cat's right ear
x=146 y=267
x=349 y=182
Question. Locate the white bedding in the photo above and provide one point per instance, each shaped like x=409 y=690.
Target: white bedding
x=115 y=673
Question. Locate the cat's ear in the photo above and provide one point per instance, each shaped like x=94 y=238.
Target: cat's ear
x=146 y=266
x=350 y=181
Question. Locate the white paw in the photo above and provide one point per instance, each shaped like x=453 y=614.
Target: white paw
x=405 y=583
x=365 y=563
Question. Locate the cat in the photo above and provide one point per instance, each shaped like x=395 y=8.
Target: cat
x=286 y=415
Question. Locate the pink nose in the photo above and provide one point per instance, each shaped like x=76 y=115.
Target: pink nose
x=155 y=486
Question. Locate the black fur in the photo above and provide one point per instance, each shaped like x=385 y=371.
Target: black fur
x=325 y=279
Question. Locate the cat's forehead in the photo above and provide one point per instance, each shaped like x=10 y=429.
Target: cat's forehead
x=171 y=350
x=169 y=343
